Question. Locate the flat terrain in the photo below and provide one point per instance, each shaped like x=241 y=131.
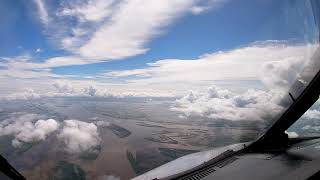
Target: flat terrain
x=141 y=135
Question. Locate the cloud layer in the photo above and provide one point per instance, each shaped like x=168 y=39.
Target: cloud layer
x=266 y=65
x=221 y=104
x=278 y=71
x=275 y=63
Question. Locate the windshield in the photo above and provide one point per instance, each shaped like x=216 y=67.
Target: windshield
x=308 y=125
x=105 y=89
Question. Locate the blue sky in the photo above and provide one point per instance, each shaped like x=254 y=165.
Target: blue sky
x=103 y=36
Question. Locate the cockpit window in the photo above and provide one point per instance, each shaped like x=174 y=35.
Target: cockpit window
x=308 y=125
x=105 y=89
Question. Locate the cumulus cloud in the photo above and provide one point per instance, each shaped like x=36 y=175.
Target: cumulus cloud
x=79 y=136
x=277 y=72
x=76 y=136
x=91 y=91
x=63 y=87
x=282 y=73
x=25 y=131
x=221 y=104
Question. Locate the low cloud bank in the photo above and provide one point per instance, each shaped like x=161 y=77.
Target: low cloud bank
x=217 y=103
x=277 y=74
x=312 y=118
x=312 y=114
x=313 y=128
x=67 y=89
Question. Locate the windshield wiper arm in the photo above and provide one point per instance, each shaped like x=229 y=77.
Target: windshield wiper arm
x=9 y=171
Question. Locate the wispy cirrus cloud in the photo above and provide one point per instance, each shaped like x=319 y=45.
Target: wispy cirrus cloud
x=110 y=30
x=43 y=13
x=93 y=10
x=131 y=27
x=205 y=6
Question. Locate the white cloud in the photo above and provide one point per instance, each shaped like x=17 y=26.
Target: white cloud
x=312 y=114
x=21 y=73
x=25 y=131
x=199 y=9
x=275 y=64
x=282 y=73
x=26 y=94
x=43 y=14
x=311 y=117
x=108 y=30
x=89 y=16
x=269 y=65
x=79 y=136
x=133 y=24
x=22 y=67
x=309 y=127
x=76 y=136
x=91 y=91
x=220 y=104
x=38 y=50
x=205 y=6
x=92 y=10
x=63 y=87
